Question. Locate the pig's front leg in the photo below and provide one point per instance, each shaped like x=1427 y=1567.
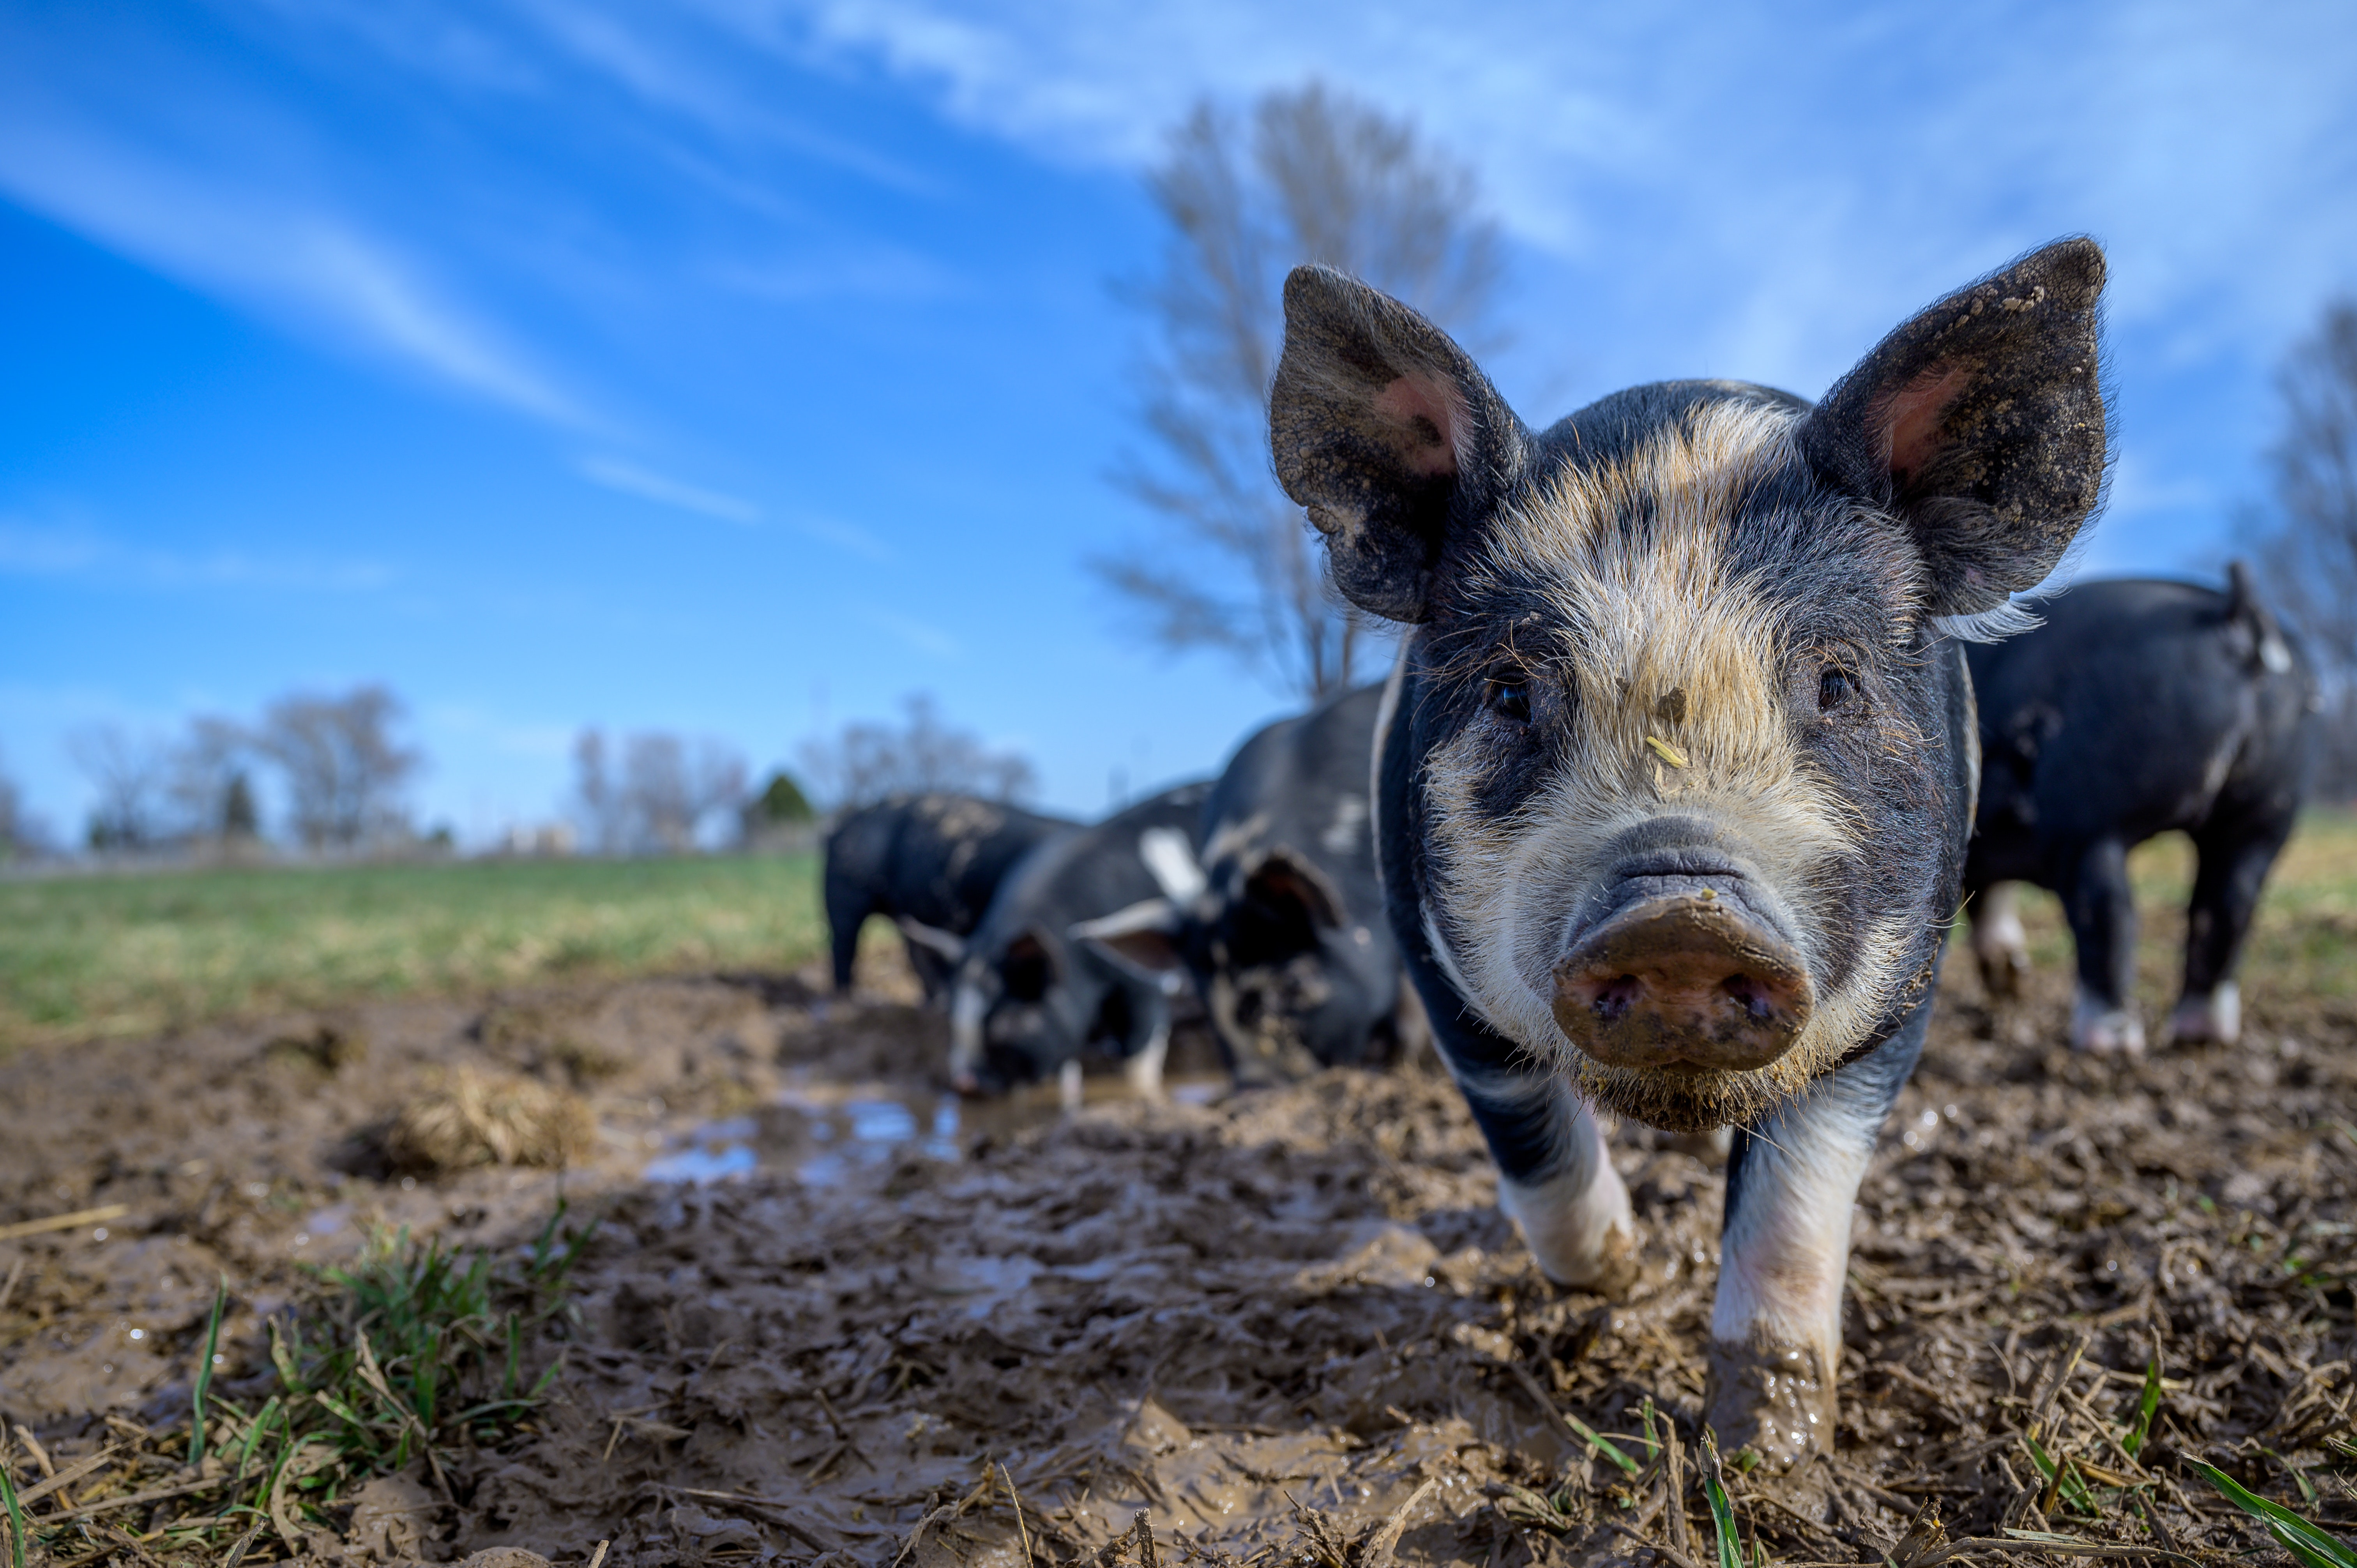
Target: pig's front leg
x=1555 y=1179
x=1792 y=1184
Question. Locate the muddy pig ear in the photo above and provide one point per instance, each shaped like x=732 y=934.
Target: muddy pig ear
x=1387 y=433
x=1980 y=424
x=1141 y=940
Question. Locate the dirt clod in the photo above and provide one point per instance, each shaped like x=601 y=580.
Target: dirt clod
x=482 y=1118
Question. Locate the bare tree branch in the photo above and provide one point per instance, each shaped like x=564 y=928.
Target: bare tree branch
x=870 y=762
x=344 y=772
x=127 y=773
x=2308 y=556
x=1314 y=176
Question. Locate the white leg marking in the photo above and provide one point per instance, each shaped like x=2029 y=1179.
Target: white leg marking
x=2217 y=1016
x=966 y=1011
x=1068 y=1086
x=2106 y=1031
x=1786 y=1258
x=1998 y=941
x=1144 y=1071
x=1578 y=1225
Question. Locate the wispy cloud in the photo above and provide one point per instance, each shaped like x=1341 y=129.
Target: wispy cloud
x=80 y=554
x=917 y=634
x=634 y=479
x=1773 y=186
x=288 y=258
x=631 y=479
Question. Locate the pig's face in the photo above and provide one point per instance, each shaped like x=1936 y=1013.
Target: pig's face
x=1688 y=779
x=1018 y=1015
x=1683 y=765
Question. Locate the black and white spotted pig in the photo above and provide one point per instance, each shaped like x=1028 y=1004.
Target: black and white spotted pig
x=929 y=864
x=1676 y=776
x=2137 y=708
x=1283 y=938
x=1027 y=996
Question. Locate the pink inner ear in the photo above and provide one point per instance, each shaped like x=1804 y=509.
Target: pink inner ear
x=1914 y=412
x=1431 y=415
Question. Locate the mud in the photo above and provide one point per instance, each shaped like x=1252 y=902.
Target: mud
x=833 y=1313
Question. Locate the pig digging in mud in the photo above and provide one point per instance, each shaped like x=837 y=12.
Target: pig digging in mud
x=1031 y=993
x=1677 y=772
x=2137 y=708
x=1284 y=936
x=929 y=863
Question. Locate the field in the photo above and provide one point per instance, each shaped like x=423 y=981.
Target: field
x=799 y=1304
x=140 y=953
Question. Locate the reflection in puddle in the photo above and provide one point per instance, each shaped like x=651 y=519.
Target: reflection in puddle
x=821 y=1138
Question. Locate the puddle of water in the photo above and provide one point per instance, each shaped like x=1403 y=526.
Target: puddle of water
x=857 y=1132
x=704 y=1166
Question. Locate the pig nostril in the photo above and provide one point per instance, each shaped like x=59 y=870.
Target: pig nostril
x=1751 y=995
x=1614 y=1000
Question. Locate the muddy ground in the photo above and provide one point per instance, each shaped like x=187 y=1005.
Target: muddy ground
x=830 y=1313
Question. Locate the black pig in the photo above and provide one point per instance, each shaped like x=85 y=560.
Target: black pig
x=929 y=863
x=1028 y=995
x=1283 y=938
x=2137 y=708
x=1676 y=776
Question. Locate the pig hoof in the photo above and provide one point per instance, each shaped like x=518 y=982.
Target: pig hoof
x=1578 y=1226
x=2106 y=1031
x=1774 y=1399
x=2003 y=971
x=2216 y=1018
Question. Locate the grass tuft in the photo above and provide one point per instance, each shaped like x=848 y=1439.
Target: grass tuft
x=204 y=1379
x=16 y=1512
x=409 y=1352
x=2310 y=1546
x=1722 y=1509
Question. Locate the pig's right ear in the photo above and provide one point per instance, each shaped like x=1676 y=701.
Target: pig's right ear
x=1387 y=433
x=947 y=944
x=1980 y=425
x=1142 y=941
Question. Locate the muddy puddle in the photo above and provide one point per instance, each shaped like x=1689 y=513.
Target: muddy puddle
x=833 y=1313
x=821 y=1134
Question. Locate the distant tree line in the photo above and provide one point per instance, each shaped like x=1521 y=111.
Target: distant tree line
x=341 y=773
x=2309 y=541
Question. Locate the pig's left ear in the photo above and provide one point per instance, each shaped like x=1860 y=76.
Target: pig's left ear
x=1387 y=433
x=1980 y=424
x=1141 y=940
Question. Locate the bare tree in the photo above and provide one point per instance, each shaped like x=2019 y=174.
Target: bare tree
x=2309 y=554
x=344 y=772
x=659 y=796
x=1316 y=176
x=598 y=796
x=870 y=762
x=209 y=780
x=127 y=774
x=668 y=791
x=20 y=837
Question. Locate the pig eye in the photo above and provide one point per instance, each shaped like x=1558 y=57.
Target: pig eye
x=1509 y=697
x=1835 y=688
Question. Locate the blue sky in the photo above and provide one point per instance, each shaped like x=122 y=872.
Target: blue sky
x=739 y=366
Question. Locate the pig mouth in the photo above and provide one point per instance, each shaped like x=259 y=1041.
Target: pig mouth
x=1684 y=972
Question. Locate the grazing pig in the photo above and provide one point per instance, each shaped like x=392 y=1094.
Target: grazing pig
x=929 y=863
x=1285 y=938
x=1676 y=769
x=2137 y=708
x=1028 y=997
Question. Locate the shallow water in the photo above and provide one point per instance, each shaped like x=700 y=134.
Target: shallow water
x=823 y=1136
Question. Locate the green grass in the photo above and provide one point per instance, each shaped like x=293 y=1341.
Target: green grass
x=2298 y=946
x=87 y=957
x=413 y=1349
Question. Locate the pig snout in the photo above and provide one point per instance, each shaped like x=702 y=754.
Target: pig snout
x=1682 y=974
